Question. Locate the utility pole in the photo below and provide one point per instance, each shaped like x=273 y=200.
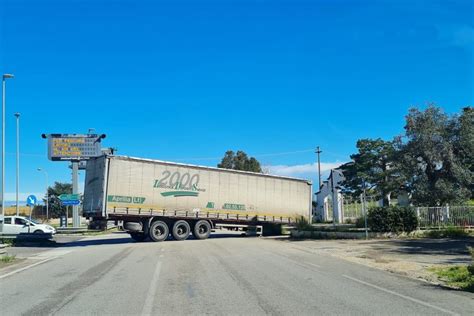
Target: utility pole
x=75 y=190
x=17 y=115
x=364 y=206
x=318 y=151
x=4 y=77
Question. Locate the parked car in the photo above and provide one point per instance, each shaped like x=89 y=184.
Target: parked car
x=20 y=224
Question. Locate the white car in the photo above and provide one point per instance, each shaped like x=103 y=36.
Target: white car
x=20 y=224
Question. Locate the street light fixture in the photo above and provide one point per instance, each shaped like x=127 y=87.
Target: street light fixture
x=4 y=78
x=47 y=193
x=17 y=115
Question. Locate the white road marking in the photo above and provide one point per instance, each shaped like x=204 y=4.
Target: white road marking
x=26 y=268
x=312 y=264
x=150 y=297
x=400 y=295
x=51 y=253
x=43 y=257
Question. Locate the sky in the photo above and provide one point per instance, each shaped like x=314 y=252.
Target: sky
x=187 y=80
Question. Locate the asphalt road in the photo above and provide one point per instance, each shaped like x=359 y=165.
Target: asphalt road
x=113 y=275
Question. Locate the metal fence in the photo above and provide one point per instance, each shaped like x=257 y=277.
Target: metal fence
x=428 y=217
x=459 y=216
x=353 y=209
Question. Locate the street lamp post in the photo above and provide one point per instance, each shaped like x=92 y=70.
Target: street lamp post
x=47 y=194
x=4 y=78
x=17 y=115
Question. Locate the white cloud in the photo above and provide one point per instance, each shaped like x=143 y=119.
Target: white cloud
x=457 y=35
x=305 y=170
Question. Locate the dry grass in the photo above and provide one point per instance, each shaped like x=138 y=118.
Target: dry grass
x=11 y=210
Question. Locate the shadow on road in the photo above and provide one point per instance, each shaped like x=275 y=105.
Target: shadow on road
x=455 y=250
x=84 y=241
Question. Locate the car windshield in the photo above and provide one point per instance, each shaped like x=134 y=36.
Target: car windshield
x=34 y=221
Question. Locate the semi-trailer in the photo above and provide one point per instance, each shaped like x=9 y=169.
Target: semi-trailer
x=155 y=199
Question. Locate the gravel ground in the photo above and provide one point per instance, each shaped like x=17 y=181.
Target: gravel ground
x=409 y=257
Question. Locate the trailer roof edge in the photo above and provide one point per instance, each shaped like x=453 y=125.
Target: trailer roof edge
x=209 y=168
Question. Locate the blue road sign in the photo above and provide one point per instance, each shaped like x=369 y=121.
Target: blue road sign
x=70 y=202
x=31 y=200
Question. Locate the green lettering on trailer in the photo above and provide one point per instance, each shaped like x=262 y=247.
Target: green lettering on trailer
x=125 y=199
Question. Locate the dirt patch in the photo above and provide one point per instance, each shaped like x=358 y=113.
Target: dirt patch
x=411 y=258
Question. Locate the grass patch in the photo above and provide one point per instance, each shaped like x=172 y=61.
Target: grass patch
x=458 y=276
x=447 y=232
x=6 y=259
x=7 y=241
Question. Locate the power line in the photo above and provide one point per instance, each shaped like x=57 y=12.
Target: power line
x=257 y=155
x=27 y=154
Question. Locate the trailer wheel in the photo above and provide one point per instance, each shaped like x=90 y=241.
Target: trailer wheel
x=202 y=229
x=158 y=231
x=138 y=237
x=181 y=230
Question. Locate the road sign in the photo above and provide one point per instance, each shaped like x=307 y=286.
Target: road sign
x=65 y=197
x=70 y=202
x=31 y=200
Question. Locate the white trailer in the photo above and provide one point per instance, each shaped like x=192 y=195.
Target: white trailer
x=154 y=197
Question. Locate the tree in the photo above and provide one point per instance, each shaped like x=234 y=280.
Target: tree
x=239 y=161
x=373 y=166
x=464 y=144
x=55 y=207
x=228 y=160
x=436 y=157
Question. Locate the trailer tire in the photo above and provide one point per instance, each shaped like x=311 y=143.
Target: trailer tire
x=202 y=229
x=181 y=230
x=158 y=231
x=138 y=237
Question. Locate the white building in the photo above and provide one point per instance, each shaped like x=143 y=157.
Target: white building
x=329 y=200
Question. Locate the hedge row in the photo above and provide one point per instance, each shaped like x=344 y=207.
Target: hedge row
x=392 y=219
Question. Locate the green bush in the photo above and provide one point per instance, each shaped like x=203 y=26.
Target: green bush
x=470 y=267
x=360 y=222
x=392 y=219
x=303 y=224
x=447 y=232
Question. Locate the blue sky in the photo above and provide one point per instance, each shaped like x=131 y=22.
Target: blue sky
x=187 y=80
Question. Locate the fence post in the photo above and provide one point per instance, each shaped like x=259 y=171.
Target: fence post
x=418 y=216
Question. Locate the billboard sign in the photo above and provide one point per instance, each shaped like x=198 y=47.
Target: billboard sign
x=73 y=147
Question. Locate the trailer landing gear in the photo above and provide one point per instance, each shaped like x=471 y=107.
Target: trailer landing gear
x=138 y=237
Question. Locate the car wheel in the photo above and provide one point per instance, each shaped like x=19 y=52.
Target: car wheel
x=39 y=231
